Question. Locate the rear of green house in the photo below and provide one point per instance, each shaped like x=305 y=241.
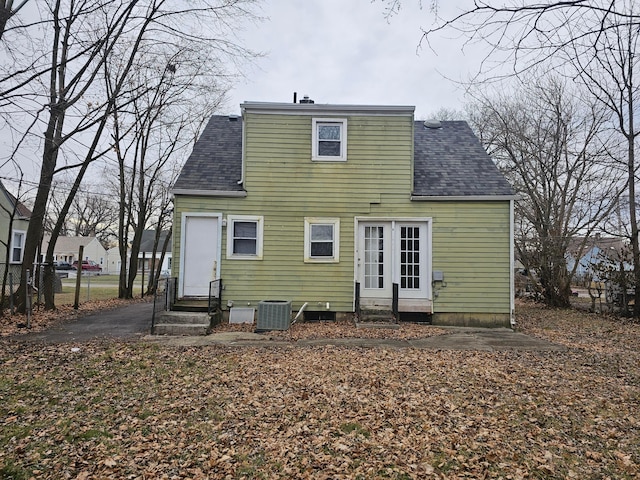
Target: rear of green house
x=343 y=208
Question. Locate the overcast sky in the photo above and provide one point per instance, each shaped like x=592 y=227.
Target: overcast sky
x=347 y=52
x=341 y=52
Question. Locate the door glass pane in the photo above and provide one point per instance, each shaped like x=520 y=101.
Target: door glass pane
x=374 y=257
x=410 y=257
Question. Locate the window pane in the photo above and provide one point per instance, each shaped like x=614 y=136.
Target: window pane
x=244 y=246
x=329 y=132
x=245 y=229
x=329 y=149
x=321 y=240
x=322 y=249
x=245 y=238
x=16 y=251
x=321 y=232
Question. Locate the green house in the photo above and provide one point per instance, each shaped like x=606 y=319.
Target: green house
x=343 y=209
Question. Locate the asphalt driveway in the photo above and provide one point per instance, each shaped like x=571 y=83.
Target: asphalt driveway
x=130 y=322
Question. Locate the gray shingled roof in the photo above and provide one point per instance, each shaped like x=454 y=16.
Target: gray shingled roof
x=149 y=238
x=22 y=212
x=450 y=161
x=216 y=160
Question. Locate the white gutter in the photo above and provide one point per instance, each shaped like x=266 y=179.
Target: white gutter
x=244 y=143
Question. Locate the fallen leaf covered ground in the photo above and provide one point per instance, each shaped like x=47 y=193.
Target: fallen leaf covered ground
x=340 y=329
x=140 y=411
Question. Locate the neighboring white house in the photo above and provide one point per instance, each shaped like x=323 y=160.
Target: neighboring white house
x=144 y=257
x=146 y=251
x=113 y=261
x=68 y=248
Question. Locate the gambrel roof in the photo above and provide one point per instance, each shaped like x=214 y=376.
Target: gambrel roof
x=449 y=162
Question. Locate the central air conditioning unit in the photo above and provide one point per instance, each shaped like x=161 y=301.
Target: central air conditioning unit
x=273 y=315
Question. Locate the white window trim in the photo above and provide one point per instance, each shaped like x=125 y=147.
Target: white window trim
x=308 y=221
x=24 y=238
x=259 y=233
x=343 y=140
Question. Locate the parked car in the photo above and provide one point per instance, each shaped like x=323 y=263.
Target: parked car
x=63 y=266
x=88 y=266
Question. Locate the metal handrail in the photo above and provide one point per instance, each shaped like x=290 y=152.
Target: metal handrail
x=394 y=302
x=164 y=298
x=215 y=296
x=357 y=301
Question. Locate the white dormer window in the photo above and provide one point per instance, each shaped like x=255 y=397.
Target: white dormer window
x=329 y=140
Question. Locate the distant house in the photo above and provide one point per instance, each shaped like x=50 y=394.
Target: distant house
x=146 y=252
x=144 y=257
x=68 y=248
x=594 y=251
x=113 y=262
x=346 y=208
x=12 y=240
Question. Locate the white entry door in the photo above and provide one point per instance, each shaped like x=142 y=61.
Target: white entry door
x=393 y=252
x=200 y=254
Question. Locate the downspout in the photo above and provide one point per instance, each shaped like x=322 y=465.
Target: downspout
x=241 y=181
x=512 y=300
x=302 y=308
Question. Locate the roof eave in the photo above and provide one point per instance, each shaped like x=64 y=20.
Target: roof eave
x=208 y=193
x=462 y=198
x=320 y=108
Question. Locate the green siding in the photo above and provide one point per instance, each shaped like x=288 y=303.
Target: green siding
x=470 y=240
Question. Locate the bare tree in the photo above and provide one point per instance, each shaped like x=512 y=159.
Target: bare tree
x=8 y=10
x=100 y=39
x=549 y=146
x=593 y=42
x=150 y=137
x=93 y=212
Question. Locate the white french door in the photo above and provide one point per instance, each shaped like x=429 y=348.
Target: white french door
x=391 y=252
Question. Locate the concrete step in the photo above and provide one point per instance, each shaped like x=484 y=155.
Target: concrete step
x=387 y=325
x=182 y=318
x=181 y=329
x=376 y=316
x=191 y=306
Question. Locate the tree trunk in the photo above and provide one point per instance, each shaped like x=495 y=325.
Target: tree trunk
x=39 y=210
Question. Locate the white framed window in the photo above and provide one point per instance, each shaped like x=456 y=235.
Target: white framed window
x=329 y=139
x=244 y=237
x=322 y=240
x=17 y=246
